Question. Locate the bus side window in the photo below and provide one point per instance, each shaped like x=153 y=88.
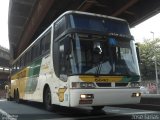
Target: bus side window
x=35 y=51
x=13 y=69
x=40 y=47
x=25 y=59
x=20 y=63
x=16 y=67
x=31 y=54
x=45 y=42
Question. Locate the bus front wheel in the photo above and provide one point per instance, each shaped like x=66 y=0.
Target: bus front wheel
x=47 y=99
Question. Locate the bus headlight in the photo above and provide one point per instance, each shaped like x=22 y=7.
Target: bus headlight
x=86 y=96
x=83 y=85
x=136 y=94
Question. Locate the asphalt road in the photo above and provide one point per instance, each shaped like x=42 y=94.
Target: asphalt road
x=9 y=110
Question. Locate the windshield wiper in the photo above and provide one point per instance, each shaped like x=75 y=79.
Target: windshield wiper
x=98 y=70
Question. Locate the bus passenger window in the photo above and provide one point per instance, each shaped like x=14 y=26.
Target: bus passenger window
x=43 y=46
x=13 y=69
x=36 y=51
x=31 y=53
x=18 y=65
x=46 y=42
x=40 y=47
x=29 y=56
x=25 y=59
x=22 y=61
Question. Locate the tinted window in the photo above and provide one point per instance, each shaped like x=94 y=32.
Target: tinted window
x=59 y=27
x=36 y=51
x=45 y=42
x=100 y=24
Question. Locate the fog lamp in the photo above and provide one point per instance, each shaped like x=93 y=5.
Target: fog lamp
x=86 y=96
x=136 y=94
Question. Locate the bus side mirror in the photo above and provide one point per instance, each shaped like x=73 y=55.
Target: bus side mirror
x=137 y=50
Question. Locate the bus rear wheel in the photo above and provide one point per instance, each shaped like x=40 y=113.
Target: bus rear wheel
x=47 y=99
x=17 y=99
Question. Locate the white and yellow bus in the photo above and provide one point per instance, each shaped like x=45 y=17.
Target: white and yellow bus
x=81 y=59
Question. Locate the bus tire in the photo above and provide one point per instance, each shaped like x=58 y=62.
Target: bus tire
x=14 y=96
x=17 y=97
x=47 y=99
x=97 y=108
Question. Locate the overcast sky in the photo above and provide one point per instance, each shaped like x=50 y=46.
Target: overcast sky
x=143 y=30
x=140 y=32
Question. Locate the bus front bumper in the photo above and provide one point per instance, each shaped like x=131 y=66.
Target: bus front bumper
x=102 y=97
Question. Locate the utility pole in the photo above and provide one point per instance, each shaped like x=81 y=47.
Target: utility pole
x=155 y=63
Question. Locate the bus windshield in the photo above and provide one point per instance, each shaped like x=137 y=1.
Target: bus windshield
x=103 y=56
x=100 y=25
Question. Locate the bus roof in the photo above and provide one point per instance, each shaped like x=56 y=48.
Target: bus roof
x=89 y=14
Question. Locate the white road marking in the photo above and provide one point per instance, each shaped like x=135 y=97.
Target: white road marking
x=6 y=116
x=3 y=100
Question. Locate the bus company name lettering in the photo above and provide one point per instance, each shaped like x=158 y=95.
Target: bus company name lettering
x=101 y=80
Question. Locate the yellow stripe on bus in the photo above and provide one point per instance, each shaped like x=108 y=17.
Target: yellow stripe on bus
x=21 y=74
x=101 y=78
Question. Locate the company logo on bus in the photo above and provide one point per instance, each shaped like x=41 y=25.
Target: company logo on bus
x=101 y=80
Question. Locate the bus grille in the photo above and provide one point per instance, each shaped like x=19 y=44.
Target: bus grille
x=110 y=85
x=121 y=84
x=103 y=84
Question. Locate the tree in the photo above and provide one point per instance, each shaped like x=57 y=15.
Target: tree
x=149 y=51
